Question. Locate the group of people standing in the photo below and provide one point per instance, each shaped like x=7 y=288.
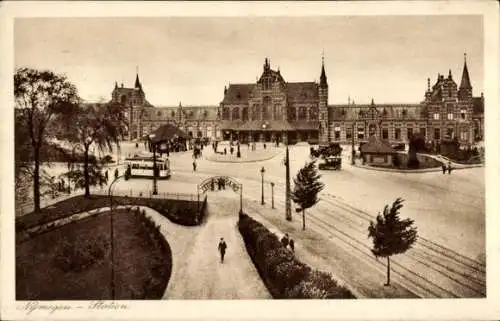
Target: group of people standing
x=446 y=168
x=288 y=241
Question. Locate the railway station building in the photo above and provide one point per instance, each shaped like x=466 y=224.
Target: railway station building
x=273 y=109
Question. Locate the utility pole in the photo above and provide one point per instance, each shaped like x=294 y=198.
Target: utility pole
x=353 y=152
x=288 y=207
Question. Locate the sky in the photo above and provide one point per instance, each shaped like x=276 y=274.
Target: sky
x=191 y=59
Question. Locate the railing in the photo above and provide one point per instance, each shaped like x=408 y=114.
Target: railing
x=27 y=207
x=148 y=194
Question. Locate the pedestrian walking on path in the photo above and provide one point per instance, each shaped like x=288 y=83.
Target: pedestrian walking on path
x=222 y=249
x=449 y=168
x=194 y=165
x=443 y=166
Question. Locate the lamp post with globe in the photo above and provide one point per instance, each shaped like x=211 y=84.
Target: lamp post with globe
x=262 y=171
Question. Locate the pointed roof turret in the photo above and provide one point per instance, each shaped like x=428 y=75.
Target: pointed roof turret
x=137 y=82
x=465 y=75
x=322 y=80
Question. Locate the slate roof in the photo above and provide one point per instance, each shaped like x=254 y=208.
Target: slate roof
x=478 y=105
x=302 y=91
x=238 y=93
x=377 y=146
x=201 y=113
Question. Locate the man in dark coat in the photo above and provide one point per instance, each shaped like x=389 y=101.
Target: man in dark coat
x=284 y=240
x=443 y=166
x=222 y=249
x=449 y=168
x=292 y=245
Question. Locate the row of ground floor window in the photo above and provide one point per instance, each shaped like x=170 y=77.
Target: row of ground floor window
x=338 y=132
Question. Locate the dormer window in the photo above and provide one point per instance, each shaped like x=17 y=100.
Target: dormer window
x=173 y=113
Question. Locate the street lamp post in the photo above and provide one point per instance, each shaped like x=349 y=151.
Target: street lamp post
x=155 y=183
x=288 y=207
x=111 y=227
x=272 y=195
x=262 y=171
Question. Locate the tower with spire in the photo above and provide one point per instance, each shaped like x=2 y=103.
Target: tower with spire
x=134 y=99
x=465 y=89
x=450 y=107
x=324 y=131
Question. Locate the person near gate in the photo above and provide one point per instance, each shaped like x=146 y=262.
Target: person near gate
x=222 y=249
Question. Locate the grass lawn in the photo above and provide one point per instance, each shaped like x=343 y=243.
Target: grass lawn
x=142 y=266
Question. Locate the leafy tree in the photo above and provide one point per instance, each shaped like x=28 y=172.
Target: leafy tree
x=306 y=189
x=39 y=96
x=81 y=179
x=391 y=235
x=102 y=125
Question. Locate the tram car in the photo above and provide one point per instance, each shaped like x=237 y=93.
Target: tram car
x=142 y=166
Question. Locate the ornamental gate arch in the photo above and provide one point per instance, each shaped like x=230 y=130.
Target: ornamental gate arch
x=217 y=183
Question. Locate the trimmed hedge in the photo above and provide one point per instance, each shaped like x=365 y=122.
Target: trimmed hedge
x=181 y=212
x=284 y=275
x=161 y=271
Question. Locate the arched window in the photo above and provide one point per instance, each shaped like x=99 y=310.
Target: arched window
x=256 y=112
x=244 y=115
x=225 y=113
x=276 y=112
x=172 y=113
x=236 y=113
x=265 y=112
x=302 y=113
x=123 y=99
x=313 y=113
x=158 y=113
x=291 y=113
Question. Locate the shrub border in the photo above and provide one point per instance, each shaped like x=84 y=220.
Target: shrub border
x=300 y=281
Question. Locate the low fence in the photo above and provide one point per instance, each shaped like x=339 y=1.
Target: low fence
x=148 y=194
x=28 y=206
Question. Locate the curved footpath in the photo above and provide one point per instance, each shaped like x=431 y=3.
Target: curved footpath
x=196 y=269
